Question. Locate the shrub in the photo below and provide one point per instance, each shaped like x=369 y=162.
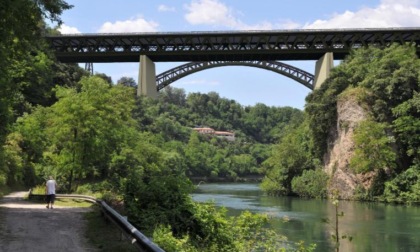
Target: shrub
x=405 y=187
x=164 y=237
x=311 y=184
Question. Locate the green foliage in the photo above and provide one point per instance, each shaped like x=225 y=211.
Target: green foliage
x=407 y=127
x=251 y=234
x=13 y=159
x=289 y=159
x=213 y=231
x=393 y=76
x=171 y=117
x=39 y=189
x=84 y=126
x=103 y=235
x=29 y=140
x=163 y=236
x=80 y=133
x=321 y=108
x=389 y=75
x=266 y=124
x=311 y=184
x=372 y=148
x=127 y=81
x=24 y=67
x=157 y=194
x=405 y=187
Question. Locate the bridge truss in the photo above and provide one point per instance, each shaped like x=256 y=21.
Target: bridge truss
x=166 y=78
x=225 y=46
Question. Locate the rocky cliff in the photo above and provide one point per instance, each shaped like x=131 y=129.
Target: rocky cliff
x=341 y=147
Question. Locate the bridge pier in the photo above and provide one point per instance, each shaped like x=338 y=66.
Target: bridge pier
x=323 y=68
x=147 y=78
x=148 y=83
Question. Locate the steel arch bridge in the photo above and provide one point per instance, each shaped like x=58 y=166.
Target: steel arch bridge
x=224 y=47
x=166 y=78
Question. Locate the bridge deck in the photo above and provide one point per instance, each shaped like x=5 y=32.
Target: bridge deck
x=226 y=46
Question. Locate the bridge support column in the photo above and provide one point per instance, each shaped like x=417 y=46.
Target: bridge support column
x=322 y=69
x=147 y=78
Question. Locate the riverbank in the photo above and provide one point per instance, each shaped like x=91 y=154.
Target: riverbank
x=246 y=179
x=374 y=226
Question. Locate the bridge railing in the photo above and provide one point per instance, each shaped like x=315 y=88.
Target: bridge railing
x=138 y=239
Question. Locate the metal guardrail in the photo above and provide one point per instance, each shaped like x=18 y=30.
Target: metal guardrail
x=138 y=239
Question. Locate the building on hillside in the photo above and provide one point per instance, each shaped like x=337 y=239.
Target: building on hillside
x=230 y=136
x=206 y=130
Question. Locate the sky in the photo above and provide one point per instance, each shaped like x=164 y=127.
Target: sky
x=246 y=85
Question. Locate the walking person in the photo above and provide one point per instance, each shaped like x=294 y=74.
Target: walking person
x=50 y=187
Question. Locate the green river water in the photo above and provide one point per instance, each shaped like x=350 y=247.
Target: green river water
x=373 y=226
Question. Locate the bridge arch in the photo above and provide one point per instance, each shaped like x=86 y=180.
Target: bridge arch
x=166 y=78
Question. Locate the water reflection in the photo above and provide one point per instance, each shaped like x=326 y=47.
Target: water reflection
x=373 y=226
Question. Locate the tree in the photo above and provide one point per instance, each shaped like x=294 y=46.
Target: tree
x=289 y=159
x=105 y=77
x=127 y=81
x=19 y=29
x=407 y=126
x=172 y=95
x=86 y=127
x=196 y=158
x=372 y=148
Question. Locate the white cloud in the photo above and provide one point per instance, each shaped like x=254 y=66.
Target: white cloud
x=64 y=29
x=132 y=25
x=210 y=12
x=216 y=13
x=165 y=8
x=389 y=13
x=289 y=24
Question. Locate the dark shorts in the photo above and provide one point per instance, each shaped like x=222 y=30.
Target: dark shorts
x=50 y=198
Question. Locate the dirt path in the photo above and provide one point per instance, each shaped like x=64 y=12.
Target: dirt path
x=28 y=226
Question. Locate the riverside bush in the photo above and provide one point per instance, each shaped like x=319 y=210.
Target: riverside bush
x=405 y=187
x=311 y=184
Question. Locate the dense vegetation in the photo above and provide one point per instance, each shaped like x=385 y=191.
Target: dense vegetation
x=386 y=82
x=97 y=136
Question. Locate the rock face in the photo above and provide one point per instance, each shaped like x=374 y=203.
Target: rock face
x=341 y=148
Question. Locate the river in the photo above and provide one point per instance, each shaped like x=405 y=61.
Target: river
x=373 y=226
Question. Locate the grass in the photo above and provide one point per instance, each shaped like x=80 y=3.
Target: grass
x=104 y=235
x=65 y=202
x=72 y=203
x=4 y=190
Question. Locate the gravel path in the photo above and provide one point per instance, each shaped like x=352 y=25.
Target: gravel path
x=28 y=226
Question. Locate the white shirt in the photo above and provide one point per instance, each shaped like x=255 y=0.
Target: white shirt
x=51 y=184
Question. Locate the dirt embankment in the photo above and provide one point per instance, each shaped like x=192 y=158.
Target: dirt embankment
x=27 y=226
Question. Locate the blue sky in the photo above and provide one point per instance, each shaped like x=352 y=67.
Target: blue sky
x=246 y=85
